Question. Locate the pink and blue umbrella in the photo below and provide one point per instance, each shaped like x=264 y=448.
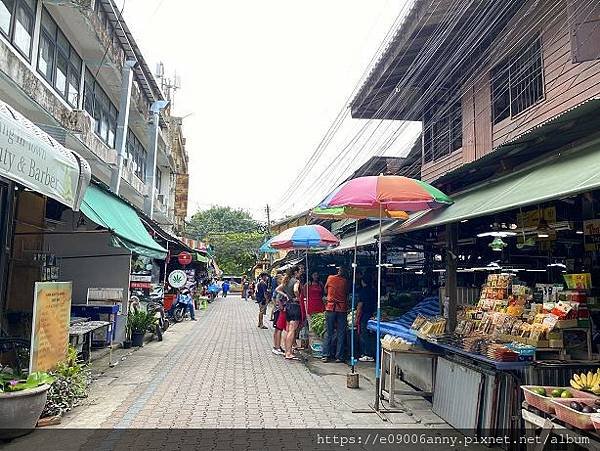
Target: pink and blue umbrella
x=304 y=237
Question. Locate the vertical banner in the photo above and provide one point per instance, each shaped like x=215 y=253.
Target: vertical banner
x=50 y=325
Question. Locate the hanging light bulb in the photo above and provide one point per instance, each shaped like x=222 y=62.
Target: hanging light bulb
x=497 y=244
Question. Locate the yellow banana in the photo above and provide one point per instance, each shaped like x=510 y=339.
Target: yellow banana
x=595 y=379
x=575 y=384
x=583 y=379
x=589 y=378
x=577 y=378
x=596 y=389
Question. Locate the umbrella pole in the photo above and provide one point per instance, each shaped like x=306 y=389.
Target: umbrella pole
x=378 y=344
x=306 y=294
x=353 y=360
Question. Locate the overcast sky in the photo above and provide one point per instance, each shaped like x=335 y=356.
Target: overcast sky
x=262 y=81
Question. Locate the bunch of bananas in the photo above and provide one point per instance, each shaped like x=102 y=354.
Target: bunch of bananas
x=587 y=381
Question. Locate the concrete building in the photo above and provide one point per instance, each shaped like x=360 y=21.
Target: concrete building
x=74 y=69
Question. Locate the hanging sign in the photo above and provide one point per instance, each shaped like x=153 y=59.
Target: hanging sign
x=178 y=278
x=184 y=258
x=50 y=324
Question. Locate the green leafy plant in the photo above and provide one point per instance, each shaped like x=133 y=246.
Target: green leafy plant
x=140 y=322
x=317 y=324
x=10 y=382
x=72 y=379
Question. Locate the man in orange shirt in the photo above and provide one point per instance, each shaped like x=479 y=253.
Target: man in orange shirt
x=336 y=307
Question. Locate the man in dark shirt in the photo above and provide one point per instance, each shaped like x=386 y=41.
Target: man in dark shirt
x=263 y=297
x=367 y=305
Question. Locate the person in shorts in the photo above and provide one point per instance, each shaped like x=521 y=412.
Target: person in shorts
x=263 y=297
x=278 y=318
x=289 y=289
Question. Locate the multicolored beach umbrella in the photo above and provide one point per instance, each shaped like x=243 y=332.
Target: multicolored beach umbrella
x=304 y=237
x=390 y=193
x=378 y=197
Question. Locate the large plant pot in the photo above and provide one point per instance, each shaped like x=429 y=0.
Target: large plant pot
x=137 y=339
x=21 y=410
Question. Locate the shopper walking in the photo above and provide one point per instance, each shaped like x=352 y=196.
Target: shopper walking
x=263 y=296
x=289 y=289
x=245 y=288
x=367 y=304
x=225 y=288
x=336 y=307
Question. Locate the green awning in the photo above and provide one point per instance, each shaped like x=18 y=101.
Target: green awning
x=563 y=175
x=110 y=212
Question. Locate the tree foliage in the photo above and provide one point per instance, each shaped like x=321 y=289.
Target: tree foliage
x=233 y=235
x=221 y=220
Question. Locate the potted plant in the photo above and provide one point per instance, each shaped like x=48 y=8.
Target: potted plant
x=22 y=399
x=140 y=323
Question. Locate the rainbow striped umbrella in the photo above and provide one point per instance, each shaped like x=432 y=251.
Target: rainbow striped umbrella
x=386 y=192
x=378 y=197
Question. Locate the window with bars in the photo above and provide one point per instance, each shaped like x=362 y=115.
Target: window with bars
x=442 y=132
x=58 y=62
x=100 y=107
x=136 y=156
x=518 y=82
x=17 y=18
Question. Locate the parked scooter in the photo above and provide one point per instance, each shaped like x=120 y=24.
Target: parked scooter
x=179 y=311
x=157 y=308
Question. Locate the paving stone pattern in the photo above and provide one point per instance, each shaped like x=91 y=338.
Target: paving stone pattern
x=219 y=372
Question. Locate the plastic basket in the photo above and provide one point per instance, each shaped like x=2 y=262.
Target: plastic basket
x=573 y=417
x=595 y=417
x=544 y=403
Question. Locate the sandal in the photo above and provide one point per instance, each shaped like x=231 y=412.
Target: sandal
x=292 y=358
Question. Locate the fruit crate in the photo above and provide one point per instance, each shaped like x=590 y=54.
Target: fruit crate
x=596 y=421
x=571 y=416
x=544 y=403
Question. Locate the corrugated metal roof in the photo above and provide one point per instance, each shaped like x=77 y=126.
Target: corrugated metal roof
x=144 y=75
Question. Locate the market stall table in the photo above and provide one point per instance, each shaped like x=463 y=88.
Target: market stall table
x=390 y=361
x=80 y=335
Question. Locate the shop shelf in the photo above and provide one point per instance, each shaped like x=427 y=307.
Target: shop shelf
x=573 y=417
x=544 y=403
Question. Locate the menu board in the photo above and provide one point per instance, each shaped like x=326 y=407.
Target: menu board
x=50 y=325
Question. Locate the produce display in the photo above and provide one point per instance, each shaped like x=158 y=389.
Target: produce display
x=587 y=382
x=577 y=406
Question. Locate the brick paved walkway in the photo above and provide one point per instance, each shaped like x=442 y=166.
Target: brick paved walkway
x=219 y=372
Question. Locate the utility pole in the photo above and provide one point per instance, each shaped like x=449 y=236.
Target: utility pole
x=268 y=210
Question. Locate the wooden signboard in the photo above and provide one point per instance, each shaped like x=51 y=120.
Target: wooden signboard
x=50 y=325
